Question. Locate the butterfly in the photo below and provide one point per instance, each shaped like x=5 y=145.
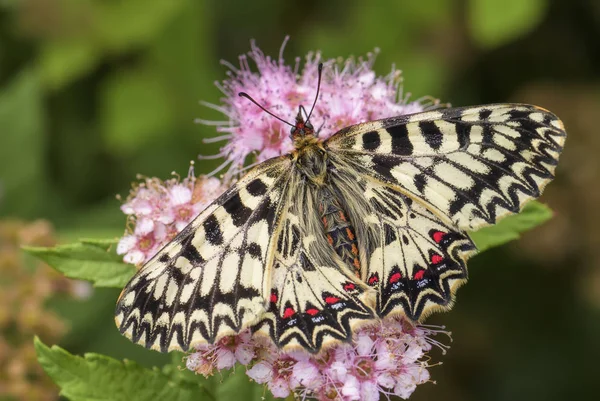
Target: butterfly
x=368 y=224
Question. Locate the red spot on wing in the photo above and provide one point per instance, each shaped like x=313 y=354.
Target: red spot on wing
x=394 y=278
x=435 y=259
x=288 y=312
x=374 y=279
x=419 y=274
x=312 y=311
x=438 y=236
x=349 y=286
x=331 y=299
x=273 y=297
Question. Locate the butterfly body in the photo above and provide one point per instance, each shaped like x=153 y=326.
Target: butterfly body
x=367 y=224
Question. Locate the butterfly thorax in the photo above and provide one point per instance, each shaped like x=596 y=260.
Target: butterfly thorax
x=311 y=157
x=311 y=161
x=309 y=154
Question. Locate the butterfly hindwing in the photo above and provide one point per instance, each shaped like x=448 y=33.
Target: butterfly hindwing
x=420 y=261
x=314 y=299
x=213 y=279
x=473 y=165
x=414 y=260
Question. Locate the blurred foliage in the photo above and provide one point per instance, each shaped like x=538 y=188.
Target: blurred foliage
x=25 y=287
x=94 y=92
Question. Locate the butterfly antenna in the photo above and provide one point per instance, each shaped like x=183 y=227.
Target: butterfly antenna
x=247 y=96
x=317 y=95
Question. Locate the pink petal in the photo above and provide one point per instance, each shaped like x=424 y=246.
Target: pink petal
x=167 y=216
x=134 y=257
x=339 y=369
x=144 y=226
x=351 y=388
x=244 y=354
x=364 y=344
x=279 y=388
x=193 y=361
x=225 y=359
x=385 y=380
x=412 y=354
x=179 y=195
x=261 y=373
x=404 y=390
x=304 y=374
x=126 y=244
x=137 y=206
x=369 y=391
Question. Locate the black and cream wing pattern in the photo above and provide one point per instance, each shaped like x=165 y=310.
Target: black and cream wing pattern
x=429 y=177
x=370 y=223
x=250 y=259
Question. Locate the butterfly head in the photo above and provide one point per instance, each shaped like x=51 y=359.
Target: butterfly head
x=302 y=129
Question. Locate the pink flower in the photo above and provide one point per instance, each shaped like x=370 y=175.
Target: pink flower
x=222 y=355
x=160 y=209
x=276 y=372
x=350 y=93
x=384 y=359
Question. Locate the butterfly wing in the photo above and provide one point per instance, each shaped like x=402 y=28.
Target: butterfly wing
x=418 y=182
x=471 y=165
x=414 y=260
x=314 y=300
x=255 y=258
x=214 y=278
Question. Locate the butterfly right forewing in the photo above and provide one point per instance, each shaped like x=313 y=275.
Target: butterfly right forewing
x=472 y=165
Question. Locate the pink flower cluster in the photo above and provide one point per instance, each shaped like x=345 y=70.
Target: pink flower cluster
x=158 y=210
x=350 y=93
x=386 y=358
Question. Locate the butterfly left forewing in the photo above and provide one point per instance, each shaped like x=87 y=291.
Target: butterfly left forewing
x=212 y=279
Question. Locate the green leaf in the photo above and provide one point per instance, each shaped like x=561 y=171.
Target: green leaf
x=22 y=184
x=495 y=22
x=91 y=260
x=509 y=228
x=95 y=377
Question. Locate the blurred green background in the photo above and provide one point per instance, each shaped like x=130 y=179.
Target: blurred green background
x=94 y=92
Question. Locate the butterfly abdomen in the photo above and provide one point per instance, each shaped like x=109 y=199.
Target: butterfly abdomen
x=338 y=230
